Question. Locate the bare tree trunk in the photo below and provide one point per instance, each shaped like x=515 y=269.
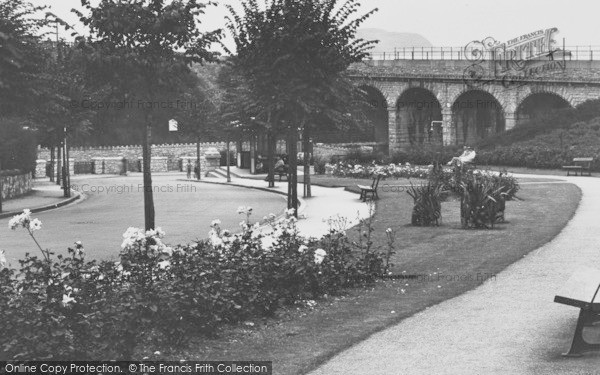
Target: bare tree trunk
x=198 y=157
x=58 y=164
x=149 y=215
x=307 y=152
x=65 y=171
x=293 y=171
x=270 y=157
x=52 y=160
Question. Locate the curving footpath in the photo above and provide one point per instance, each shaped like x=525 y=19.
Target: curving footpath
x=325 y=204
x=509 y=325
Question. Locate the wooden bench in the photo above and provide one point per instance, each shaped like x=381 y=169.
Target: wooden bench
x=582 y=290
x=364 y=190
x=581 y=165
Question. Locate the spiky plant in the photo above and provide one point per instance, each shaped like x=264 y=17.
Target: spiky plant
x=482 y=202
x=427 y=210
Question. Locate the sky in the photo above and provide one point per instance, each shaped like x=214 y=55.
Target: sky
x=447 y=23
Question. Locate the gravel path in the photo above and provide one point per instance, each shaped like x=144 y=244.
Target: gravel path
x=509 y=325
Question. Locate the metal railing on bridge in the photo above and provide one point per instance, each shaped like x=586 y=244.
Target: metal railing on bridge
x=579 y=53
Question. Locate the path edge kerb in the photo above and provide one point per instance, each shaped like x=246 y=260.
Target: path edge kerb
x=76 y=196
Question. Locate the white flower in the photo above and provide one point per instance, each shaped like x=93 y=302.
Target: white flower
x=67 y=299
x=21 y=220
x=388 y=231
x=320 y=256
x=35 y=224
x=3 y=261
x=302 y=249
x=167 y=250
x=163 y=265
x=215 y=223
x=290 y=212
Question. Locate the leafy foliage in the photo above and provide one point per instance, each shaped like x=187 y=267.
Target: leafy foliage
x=291 y=56
x=22 y=53
x=67 y=307
x=18 y=147
x=549 y=142
x=483 y=201
x=427 y=210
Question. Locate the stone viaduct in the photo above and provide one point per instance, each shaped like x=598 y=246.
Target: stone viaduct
x=456 y=102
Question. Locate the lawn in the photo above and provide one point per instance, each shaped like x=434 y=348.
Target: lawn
x=444 y=262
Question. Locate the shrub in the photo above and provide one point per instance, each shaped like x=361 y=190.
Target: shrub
x=18 y=148
x=425 y=155
x=482 y=201
x=320 y=162
x=427 y=210
x=65 y=307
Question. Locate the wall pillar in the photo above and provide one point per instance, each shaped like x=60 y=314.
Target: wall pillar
x=448 y=130
x=394 y=144
x=510 y=120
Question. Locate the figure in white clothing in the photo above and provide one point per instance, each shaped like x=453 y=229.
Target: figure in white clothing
x=467 y=157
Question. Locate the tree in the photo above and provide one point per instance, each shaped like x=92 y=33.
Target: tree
x=22 y=54
x=293 y=55
x=142 y=48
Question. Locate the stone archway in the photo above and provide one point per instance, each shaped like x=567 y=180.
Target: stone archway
x=476 y=114
x=539 y=105
x=416 y=108
x=377 y=114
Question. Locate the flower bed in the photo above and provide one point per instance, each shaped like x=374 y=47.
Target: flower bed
x=343 y=169
x=69 y=308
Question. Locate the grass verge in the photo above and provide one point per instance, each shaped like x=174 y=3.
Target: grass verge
x=449 y=260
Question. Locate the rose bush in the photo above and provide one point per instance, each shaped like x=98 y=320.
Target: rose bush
x=64 y=307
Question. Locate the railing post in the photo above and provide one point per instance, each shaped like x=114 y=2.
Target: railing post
x=576 y=52
x=422 y=52
x=413 y=53
x=404 y=52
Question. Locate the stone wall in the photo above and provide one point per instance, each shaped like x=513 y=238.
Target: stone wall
x=109 y=166
x=157 y=164
x=40 y=168
x=173 y=152
x=15 y=185
x=576 y=70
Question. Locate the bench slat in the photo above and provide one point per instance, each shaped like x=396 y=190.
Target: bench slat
x=583 y=159
x=582 y=289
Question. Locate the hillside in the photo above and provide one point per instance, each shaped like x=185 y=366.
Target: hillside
x=388 y=40
x=547 y=143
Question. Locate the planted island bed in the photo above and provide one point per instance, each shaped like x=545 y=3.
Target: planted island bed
x=446 y=261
